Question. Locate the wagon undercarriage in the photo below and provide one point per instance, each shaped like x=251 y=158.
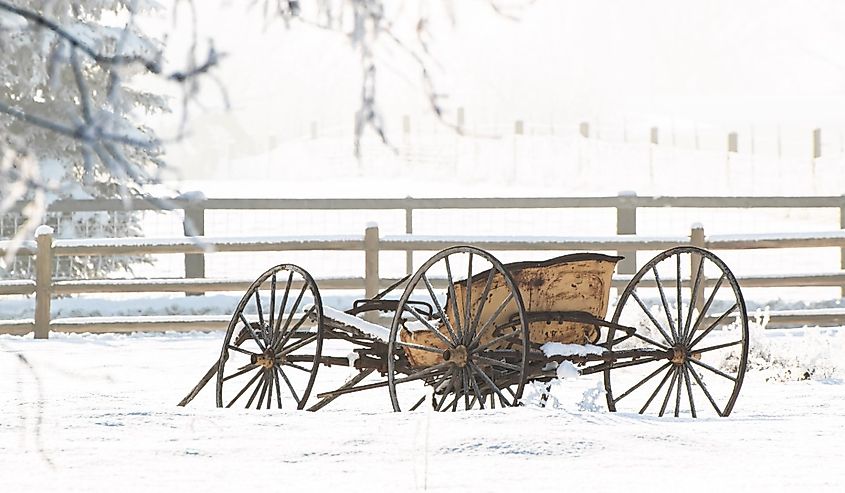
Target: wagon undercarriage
x=474 y=340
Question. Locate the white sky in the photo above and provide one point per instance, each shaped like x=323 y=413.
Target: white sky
x=751 y=59
x=721 y=62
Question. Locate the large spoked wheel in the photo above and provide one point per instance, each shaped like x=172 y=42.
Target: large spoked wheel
x=471 y=352
x=697 y=330
x=272 y=349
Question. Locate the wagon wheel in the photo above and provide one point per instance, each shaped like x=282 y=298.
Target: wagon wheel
x=705 y=350
x=477 y=359
x=271 y=352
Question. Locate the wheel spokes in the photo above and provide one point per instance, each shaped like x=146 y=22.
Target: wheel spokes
x=252 y=332
x=714 y=370
x=428 y=326
x=421 y=347
x=652 y=318
x=654 y=394
x=679 y=297
x=489 y=322
x=258 y=306
x=478 y=371
x=245 y=387
x=454 y=298
x=467 y=336
x=713 y=326
x=665 y=304
x=693 y=297
x=240 y=372
x=284 y=376
x=678 y=394
x=440 y=311
x=641 y=382
x=718 y=346
x=689 y=331
x=703 y=388
x=277 y=327
x=668 y=391
x=262 y=384
x=706 y=308
x=689 y=391
x=280 y=347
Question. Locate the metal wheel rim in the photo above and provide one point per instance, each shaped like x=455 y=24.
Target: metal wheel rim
x=522 y=325
x=277 y=380
x=690 y=378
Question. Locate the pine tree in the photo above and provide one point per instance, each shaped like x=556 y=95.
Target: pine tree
x=45 y=75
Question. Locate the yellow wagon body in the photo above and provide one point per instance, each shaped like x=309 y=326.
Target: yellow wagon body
x=570 y=283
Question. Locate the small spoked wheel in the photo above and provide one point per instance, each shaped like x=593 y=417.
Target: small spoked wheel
x=271 y=352
x=471 y=351
x=690 y=346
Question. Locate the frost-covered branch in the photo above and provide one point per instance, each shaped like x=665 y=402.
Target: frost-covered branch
x=69 y=121
x=370 y=27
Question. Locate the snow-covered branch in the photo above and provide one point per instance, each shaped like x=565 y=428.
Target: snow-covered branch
x=69 y=116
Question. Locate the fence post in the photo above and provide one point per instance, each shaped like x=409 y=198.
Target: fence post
x=842 y=250
x=409 y=229
x=696 y=238
x=371 y=250
x=733 y=142
x=626 y=224
x=371 y=276
x=194 y=225
x=584 y=129
x=817 y=143
x=43 y=280
x=654 y=136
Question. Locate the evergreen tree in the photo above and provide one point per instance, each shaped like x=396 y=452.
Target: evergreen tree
x=64 y=79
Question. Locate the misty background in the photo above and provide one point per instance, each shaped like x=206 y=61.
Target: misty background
x=769 y=71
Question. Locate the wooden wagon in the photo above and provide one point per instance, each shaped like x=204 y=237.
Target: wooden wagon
x=468 y=332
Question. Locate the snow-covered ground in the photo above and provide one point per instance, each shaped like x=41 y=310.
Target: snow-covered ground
x=98 y=413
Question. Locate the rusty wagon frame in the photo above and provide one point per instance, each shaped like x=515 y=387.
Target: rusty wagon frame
x=498 y=328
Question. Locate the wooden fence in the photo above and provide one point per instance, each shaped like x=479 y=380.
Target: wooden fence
x=45 y=248
x=625 y=204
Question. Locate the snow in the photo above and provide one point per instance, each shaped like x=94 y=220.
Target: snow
x=43 y=230
x=567 y=369
x=89 y=412
x=560 y=349
x=375 y=330
x=527 y=239
x=803 y=235
x=208 y=241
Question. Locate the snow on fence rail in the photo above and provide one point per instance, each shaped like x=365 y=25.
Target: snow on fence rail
x=46 y=247
x=626 y=204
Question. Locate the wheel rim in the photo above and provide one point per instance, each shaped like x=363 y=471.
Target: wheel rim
x=707 y=348
x=271 y=352
x=475 y=360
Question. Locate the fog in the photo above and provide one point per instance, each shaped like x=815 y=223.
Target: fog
x=750 y=66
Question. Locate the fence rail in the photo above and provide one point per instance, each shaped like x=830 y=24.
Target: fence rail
x=372 y=244
x=626 y=204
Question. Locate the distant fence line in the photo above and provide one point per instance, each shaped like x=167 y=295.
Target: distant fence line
x=747 y=139
x=45 y=248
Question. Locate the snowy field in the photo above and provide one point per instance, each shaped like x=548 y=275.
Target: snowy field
x=98 y=413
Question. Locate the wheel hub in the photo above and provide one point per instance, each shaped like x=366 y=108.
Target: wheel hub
x=457 y=356
x=265 y=360
x=679 y=355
